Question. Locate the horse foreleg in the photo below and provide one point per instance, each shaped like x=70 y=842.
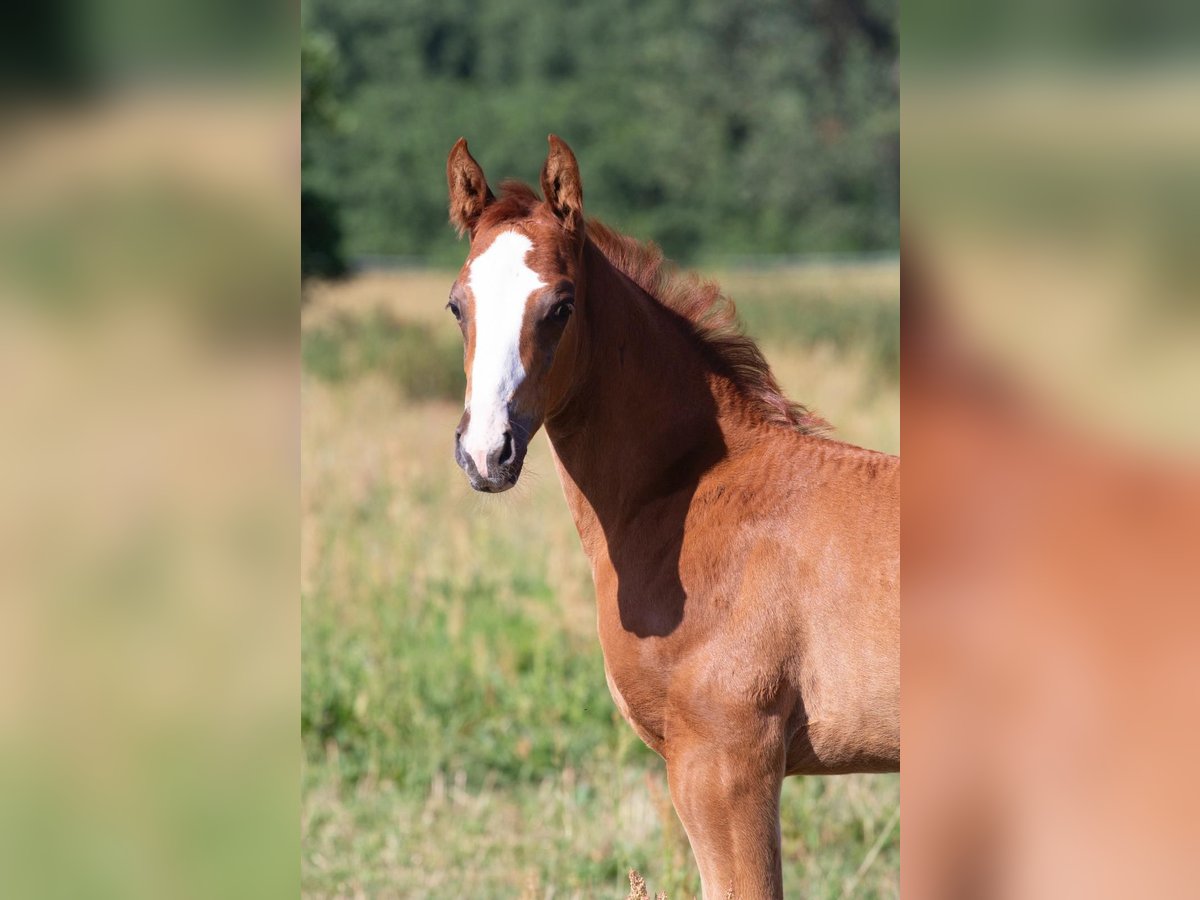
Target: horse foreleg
x=727 y=798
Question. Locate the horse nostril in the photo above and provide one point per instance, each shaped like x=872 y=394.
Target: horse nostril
x=506 y=452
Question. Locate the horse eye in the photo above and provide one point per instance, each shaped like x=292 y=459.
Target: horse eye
x=562 y=311
x=453 y=307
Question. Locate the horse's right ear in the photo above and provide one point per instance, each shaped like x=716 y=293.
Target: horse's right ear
x=469 y=191
x=561 y=184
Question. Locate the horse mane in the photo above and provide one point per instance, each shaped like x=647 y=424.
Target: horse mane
x=712 y=315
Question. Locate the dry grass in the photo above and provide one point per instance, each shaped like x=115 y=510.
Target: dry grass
x=637 y=888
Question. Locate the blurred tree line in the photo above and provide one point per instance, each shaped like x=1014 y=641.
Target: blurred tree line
x=716 y=127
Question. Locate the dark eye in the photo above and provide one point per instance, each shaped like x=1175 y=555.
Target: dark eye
x=453 y=307
x=561 y=311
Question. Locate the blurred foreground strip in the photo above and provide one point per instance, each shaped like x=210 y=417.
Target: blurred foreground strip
x=1051 y=624
x=148 y=399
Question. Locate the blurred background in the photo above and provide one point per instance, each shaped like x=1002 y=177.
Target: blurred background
x=1051 y=217
x=149 y=295
x=149 y=360
x=459 y=738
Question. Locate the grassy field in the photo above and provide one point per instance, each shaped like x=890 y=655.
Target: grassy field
x=458 y=737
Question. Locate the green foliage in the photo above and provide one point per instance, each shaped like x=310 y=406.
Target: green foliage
x=715 y=128
x=319 y=105
x=322 y=253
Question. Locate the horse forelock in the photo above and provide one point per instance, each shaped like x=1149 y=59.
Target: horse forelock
x=517 y=202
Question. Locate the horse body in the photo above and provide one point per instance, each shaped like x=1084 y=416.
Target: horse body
x=746 y=567
x=769 y=621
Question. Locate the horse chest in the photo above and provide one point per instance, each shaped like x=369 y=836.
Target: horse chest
x=639 y=708
x=638 y=679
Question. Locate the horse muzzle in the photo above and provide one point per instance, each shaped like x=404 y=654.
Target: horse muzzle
x=494 y=465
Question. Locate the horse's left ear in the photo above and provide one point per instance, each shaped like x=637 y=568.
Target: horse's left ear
x=561 y=185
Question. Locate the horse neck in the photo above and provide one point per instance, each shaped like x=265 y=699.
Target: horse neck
x=647 y=416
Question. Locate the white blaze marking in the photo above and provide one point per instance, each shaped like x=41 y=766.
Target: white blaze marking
x=501 y=283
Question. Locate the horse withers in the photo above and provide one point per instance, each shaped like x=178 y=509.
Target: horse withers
x=746 y=565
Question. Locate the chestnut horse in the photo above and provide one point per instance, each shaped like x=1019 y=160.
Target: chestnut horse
x=746 y=566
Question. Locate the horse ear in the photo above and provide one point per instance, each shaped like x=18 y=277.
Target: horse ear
x=561 y=185
x=469 y=191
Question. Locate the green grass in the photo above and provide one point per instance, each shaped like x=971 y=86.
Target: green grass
x=424 y=364
x=575 y=834
x=457 y=734
x=842 y=323
x=470 y=673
